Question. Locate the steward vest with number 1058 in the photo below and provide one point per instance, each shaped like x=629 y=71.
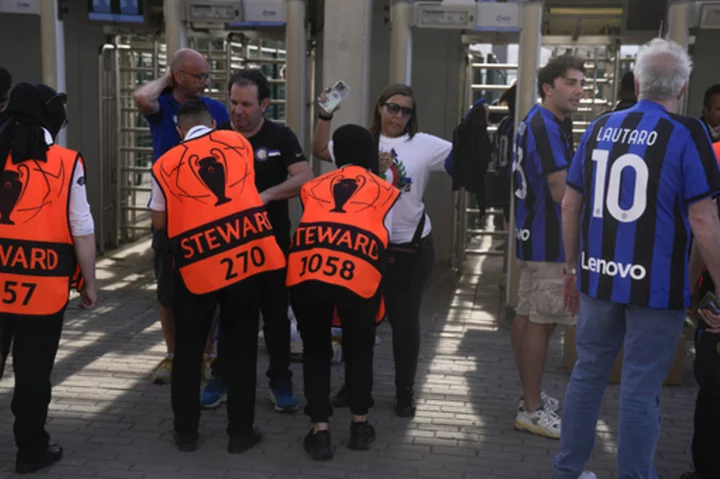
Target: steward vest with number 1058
x=217 y=225
x=37 y=257
x=342 y=238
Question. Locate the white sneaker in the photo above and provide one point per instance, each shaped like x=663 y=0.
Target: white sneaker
x=551 y=404
x=163 y=371
x=541 y=422
x=587 y=475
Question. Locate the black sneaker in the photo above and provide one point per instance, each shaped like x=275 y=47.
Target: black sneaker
x=318 y=445
x=186 y=441
x=340 y=400
x=362 y=434
x=27 y=463
x=405 y=406
x=240 y=443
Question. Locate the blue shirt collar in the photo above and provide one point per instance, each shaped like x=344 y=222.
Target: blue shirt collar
x=648 y=105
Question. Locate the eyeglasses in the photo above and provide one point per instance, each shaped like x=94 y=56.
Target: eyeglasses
x=394 y=109
x=198 y=76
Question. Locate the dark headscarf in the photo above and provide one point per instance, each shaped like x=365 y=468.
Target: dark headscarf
x=30 y=109
x=355 y=145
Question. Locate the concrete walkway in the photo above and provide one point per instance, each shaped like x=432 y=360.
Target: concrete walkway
x=114 y=423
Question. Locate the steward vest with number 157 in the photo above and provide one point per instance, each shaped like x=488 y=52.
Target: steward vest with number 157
x=37 y=257
x=342 y=238
x=217 y=225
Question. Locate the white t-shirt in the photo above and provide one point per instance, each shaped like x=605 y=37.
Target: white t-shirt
x=412 y=161
x=81 y=220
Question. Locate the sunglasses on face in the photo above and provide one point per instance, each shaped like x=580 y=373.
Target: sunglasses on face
x=198 y=76
x=394 y=109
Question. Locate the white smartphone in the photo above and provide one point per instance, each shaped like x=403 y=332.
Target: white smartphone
x=335 y=96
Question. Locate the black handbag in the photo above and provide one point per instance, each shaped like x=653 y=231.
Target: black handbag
x=413 y=247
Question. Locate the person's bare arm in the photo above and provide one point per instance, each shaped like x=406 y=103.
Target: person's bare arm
x=85 y=254
x=695 y=268
x=300 y=173
x=321 y=140
x=322 y=132
x=571 y=209
x=146 y=96
x=556 y=183
x=705 y=226
x=159 y=220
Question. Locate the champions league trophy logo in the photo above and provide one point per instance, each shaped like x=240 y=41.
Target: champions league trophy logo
x=10 y=190
x=212 y=173
x=343 y=189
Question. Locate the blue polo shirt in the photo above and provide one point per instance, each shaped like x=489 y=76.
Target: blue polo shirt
x=163 y=123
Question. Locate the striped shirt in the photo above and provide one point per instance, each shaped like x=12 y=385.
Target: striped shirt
x=503 y=147
x=542 y=147
x=638 y=170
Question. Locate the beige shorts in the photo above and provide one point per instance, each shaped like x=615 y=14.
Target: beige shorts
x=540 y=293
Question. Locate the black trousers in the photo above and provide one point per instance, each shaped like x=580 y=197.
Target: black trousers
x=239 y=323
x=313 y=303
x=35 y=344
x=706 y=436
x=404 y=283
x=272 y=297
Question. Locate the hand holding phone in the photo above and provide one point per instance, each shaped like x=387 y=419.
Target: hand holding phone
x=708 y=303
x=332 y=97
x=709 y=311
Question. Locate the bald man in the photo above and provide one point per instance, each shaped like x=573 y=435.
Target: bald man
x=158 y=101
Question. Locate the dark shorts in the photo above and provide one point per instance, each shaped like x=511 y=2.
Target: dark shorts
x=164 y=270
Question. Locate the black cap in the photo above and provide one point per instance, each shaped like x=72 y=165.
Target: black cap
x=355 y=145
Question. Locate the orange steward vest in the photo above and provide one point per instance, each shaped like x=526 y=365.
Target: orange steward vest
x=341 y=238
x=37 y=257
x=217 y=225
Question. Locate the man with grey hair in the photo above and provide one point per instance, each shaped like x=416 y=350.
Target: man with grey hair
x=641 y=180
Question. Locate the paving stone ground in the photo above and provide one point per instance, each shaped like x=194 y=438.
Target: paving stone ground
x=113 y=423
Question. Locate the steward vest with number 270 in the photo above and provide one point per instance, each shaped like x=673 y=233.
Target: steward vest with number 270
x=342 y=238
x=217 y=225
x=37 y=257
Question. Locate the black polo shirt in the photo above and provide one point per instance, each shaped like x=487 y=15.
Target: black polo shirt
x=276 y=148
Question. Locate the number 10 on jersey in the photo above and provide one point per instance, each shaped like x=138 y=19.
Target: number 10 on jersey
x=612 y=198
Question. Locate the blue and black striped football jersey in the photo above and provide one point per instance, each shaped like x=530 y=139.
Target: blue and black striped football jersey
x=541 y=147
x=639 y=170
x=503 y=147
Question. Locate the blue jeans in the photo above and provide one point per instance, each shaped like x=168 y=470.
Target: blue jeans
x=650 y=337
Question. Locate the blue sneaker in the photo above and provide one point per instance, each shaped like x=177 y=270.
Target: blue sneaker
x=214 y=394
x=283 y=398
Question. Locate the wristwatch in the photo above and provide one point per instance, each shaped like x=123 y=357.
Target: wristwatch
x=570 y=271
x=325 y=117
